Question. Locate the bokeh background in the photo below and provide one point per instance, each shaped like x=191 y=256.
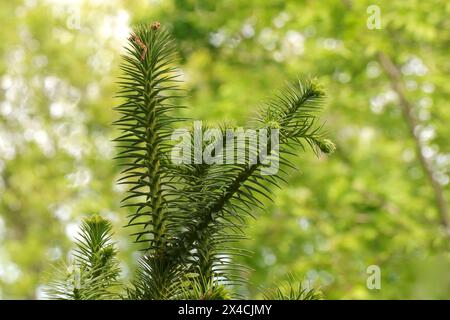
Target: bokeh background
x=381 y=199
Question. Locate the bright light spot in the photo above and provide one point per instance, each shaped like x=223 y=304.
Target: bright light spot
x=308 y=248
x=72 y=230
x=373 y=69
x=428 y=152
x=443 y=160
x=408 y=155
x=6 y=82
x=101 y=61
x=71 y=138
x=427 y=134
x=378 y=102
x=40 y=61
x=247 y=30
x=6 y=108
x=366 y=135
x=278 y=56
x=92 y=91
x=293 y=43
x=63 y=36
x=344 y=77
x=425 y=102
x=216 y=39
x=7 y=148
x=119 y=188
x=443 y=179
x=280 y=20
x=124 y=270
x=268 y=257
x=303 y=223
x=40 y=137
x=63 y=212
x=41 y=293
x=56 y=110
x=80 y=178
x=9 y=272
x=115 y=27
x=268 y=39
x=30 y=3
x=414 y=66
x=428 y=87
x=332 y=44
x=103 y=146
x=411 y=85
x=424 y=115
x=50 y=84
x=54 y=253
x=234 y=42
x=312 y=275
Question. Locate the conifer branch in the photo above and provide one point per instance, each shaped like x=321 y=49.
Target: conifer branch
x=186 y=216
x=94 y=273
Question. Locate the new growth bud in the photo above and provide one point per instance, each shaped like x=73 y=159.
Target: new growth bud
x=155 y=25
x=326 y=146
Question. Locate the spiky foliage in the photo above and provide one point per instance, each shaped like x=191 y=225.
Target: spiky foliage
x=198 y=287
x=94 y=272
x=148 y=87
x=292 y=290
x=223 y=196
x=188 y=217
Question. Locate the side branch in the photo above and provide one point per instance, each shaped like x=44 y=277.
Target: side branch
x=394 y=75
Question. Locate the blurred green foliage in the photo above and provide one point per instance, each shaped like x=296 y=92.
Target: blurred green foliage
x=368 y=203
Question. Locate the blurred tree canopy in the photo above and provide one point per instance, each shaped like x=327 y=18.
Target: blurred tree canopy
x=381 y=199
